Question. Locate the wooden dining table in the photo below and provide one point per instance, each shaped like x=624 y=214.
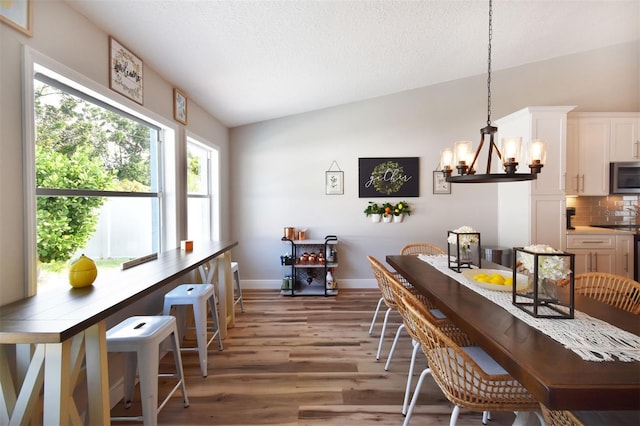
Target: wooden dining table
x=46 y=339
x=555 y=375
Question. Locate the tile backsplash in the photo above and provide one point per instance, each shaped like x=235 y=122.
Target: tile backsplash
x=611 y=210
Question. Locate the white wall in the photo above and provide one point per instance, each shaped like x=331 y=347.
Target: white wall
x=278 y=166
x=68 y=38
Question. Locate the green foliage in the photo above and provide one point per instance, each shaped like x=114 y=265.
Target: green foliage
x=65 y=224
x=373 y=208
x=80 y=145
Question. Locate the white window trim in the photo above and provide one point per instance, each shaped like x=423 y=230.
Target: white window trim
x=215 y=207
x=33 y=61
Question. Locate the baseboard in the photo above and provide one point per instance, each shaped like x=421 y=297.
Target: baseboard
x=275 y=284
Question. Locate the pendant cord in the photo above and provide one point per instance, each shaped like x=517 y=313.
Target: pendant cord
x=489 y=67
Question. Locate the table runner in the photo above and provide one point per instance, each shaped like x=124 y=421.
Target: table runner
x=590 y=338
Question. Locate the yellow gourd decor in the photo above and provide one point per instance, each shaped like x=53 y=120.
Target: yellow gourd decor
x=82 y=272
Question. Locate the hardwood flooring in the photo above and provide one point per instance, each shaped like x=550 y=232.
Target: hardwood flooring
x=305 y=361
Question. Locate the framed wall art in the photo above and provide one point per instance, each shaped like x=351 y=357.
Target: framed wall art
x=385 y=177
x=180 y=107
x=17 y=14
x=125 y=71
x=334 y=182
x=440 y=184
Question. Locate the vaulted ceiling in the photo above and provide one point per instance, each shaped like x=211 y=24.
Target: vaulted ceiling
x=246 y=61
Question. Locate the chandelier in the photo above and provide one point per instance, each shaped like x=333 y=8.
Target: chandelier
x=461 y=157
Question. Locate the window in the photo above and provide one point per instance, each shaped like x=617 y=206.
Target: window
x=202 y=204
x=98 y=183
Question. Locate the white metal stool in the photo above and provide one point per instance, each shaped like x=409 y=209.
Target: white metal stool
x=236 y=278
x=196 y=295
x=140 y=337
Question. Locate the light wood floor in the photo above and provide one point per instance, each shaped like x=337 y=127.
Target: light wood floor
x=305 y=361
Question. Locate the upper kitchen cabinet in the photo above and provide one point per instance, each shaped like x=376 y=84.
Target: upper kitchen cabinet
x=625 y=139
x=534 y=212
x=588 y=137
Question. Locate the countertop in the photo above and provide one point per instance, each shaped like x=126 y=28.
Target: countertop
x=595 y=230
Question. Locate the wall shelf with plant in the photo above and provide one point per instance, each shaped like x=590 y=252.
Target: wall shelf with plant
x=387 y=212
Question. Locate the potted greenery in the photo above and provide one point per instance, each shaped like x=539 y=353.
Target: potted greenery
x=374 y=210
x=387 y=214
x=399 y=210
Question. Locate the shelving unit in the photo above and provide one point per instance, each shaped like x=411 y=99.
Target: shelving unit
x=308 y=277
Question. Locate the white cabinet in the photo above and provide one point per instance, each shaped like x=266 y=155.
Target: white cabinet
x=601 y=252
x=588 y=155
x=533 y=212
x=625 y=138
x=624 y=255
x=594 y=252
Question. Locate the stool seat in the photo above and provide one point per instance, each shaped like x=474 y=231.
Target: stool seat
x=140 y=338
x=197 y=296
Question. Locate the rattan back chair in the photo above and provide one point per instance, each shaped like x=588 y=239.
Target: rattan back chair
x=559 y=417
x=387 y=298
x=421 y=248
x=400 y=294
x=467 y=375
x=614 y=290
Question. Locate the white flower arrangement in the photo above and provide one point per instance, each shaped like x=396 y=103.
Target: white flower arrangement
x=465 y=239
x=549 y=267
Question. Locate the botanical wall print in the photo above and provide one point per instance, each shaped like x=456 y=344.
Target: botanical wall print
x=334 y=180
x=180 y=107
x=125 y=71
x=440 y=184
x=17 y=14
x=384 y=177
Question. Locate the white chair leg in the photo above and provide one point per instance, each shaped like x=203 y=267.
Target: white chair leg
x=384 y=329
x=375 y=314
x=412 y=364
x=454 y=416
x=416 y=393
x=213 y=306
x=486 y=416
x=177 y=357
x=200 y=319
x=236 y=276
x=393 y=347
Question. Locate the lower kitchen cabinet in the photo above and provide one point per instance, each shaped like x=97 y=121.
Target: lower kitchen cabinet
x=609 y=253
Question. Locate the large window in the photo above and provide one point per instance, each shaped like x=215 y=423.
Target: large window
x=202 y=191
x=97 y=177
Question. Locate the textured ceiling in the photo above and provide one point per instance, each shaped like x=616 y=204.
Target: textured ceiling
x=248 y=61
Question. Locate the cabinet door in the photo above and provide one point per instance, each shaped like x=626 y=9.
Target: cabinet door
x=582 y=260
x=603 y=261
x=594 y=261
x=572 y=175
x=593 y=156
x=624 y=256
x=625 y=140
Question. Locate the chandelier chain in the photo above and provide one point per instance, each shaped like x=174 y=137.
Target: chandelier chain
x=489 y=67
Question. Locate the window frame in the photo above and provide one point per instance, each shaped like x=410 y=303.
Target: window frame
x=213 y=183
x=35 y=62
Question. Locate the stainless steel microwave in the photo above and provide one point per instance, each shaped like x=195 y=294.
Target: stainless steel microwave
x=624 y=178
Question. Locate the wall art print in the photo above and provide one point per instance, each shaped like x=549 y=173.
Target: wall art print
x=125 y=71
x=392 y=176
x=17 y=14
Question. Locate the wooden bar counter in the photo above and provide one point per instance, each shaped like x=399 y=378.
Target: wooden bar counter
x=65 y=326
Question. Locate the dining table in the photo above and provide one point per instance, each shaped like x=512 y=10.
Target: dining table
x=555 y=375
x=55 y=341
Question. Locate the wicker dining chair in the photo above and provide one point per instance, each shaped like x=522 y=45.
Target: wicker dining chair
x=559 y=417
x=421 y=248
x=614 y=290
x=467 y=375
x=400 y=294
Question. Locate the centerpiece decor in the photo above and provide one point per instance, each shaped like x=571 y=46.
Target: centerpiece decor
x=467 y=248
x=547 y=269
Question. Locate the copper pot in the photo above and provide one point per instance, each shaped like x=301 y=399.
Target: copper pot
x=290 y=233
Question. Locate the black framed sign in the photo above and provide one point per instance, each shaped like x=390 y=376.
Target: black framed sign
x=389 y=177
